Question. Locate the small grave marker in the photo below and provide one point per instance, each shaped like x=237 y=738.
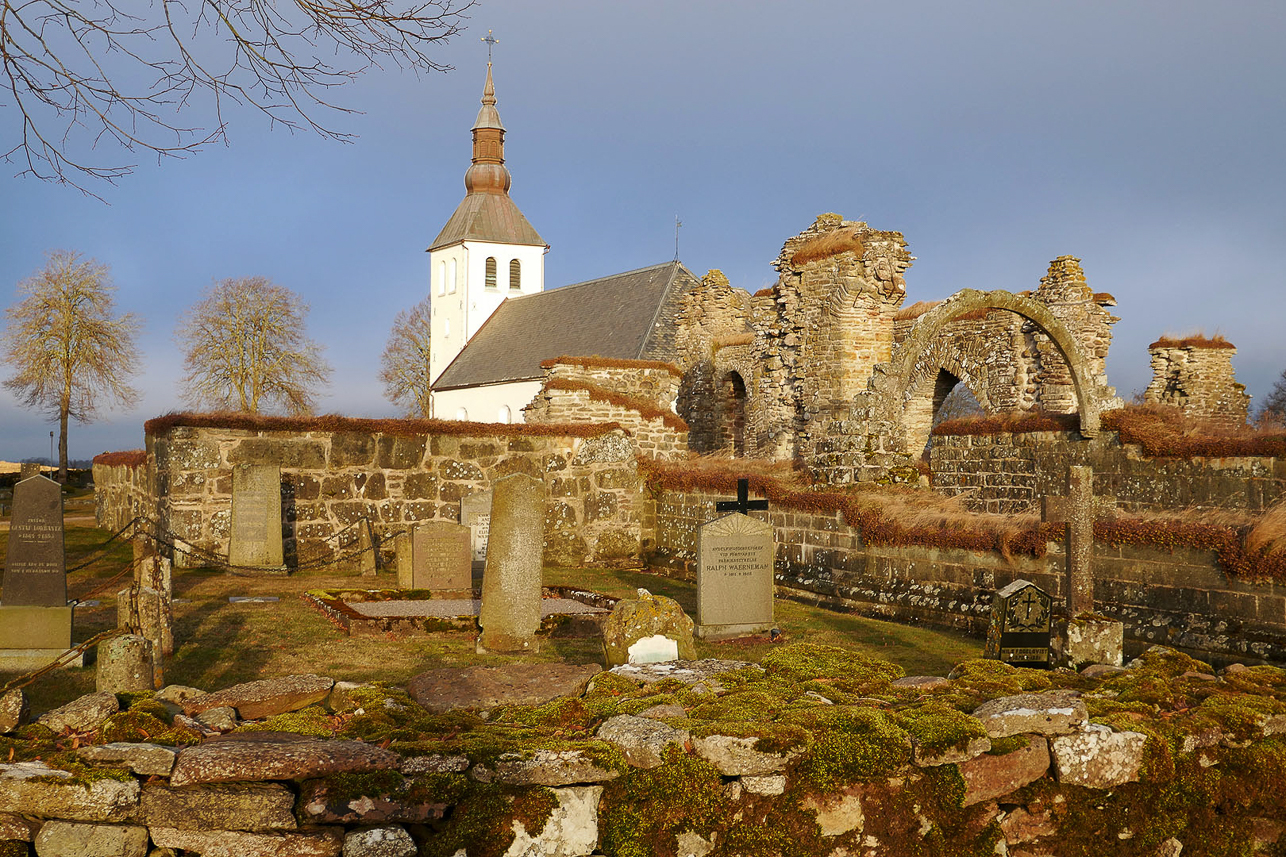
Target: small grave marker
x=734 y=577
x=441 y=556
x=743 y=503
x=256 y=517
x=1020 y=628
x=475 y=513
x=511 y=584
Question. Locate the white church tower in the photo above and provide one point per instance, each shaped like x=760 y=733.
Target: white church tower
x=486 y=252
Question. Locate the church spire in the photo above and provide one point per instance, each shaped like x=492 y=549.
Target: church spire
x=488 y=174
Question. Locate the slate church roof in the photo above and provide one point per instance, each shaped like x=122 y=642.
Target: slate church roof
x=487 y=217
x=627 y=316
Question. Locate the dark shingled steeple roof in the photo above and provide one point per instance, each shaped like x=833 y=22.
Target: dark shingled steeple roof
x=626 y=316
x=487 y=213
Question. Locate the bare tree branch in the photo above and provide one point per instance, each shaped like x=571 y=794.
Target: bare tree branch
x=66 y=346
x=245 y=349
x=404 y=366
x=71 y=66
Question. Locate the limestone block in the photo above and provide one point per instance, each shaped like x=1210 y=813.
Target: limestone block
x=72 y=839
x=543 y=768
x=989 y=777
x=83 y=714
x=142 y=758
x=1097 y=757
x=13 y=710
x=387 y=841
x=435 y=764
x=315 y=842
x=251 y=761
x=266 y=697
x=1054 y=713
x=222 y=719
x=1092 y=640
x=649 y=615
x=641 y=739
x=125 y=665
x=235 y=806
x=18 y=828
x=571 y=831
x=774 y=784
x=737 y=757
x=837 y=814
x=52 y=796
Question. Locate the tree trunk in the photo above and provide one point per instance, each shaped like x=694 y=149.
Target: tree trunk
x=62 y=442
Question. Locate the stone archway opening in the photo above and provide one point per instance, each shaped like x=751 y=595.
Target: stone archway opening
x=732 y=407
x=946 y=397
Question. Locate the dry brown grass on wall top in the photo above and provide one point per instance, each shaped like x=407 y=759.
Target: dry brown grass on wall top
x=647 y=410
x=1010 y=423
x=125 y=458
x=1105 y=298
x=915 y=310
x=848 y=240
x=1195 y=341
x=1166 y=432
x=392 y=427
x=596 y=362
x=764 y=293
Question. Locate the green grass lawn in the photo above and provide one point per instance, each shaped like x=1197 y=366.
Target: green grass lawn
x=218 y=644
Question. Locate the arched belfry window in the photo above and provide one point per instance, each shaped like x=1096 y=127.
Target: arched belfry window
x=454 y=277
x=491 y=272
x=515 y=274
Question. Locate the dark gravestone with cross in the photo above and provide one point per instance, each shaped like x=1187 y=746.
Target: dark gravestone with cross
x=1020 y=627
x=1078 y=509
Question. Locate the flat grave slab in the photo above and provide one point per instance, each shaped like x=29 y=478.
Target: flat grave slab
x=466 y=607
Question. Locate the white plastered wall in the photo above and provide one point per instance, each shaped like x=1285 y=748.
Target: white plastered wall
x=484 y=404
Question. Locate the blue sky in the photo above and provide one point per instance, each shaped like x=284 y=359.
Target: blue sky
x=1144 y=138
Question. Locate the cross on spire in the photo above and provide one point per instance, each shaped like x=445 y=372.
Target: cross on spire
x=491 y=41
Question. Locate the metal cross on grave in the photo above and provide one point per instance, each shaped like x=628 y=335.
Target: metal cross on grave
x=743 y=503
x=1078 y=509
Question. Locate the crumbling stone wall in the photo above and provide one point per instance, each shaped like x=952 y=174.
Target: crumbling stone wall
x=650 y=380
x=1196 y=376
x=335 y=476
x=122 y=491
x=1176 y=596
x=655 y=431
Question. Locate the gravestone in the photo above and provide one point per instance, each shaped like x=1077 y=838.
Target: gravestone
x=1077 y=510
x=511 y=583
x=439 y=557
x=475 y=513
x=1021 y=626
x=35 y=621
x=28 y=469
x=734 y=577
x=256 y=517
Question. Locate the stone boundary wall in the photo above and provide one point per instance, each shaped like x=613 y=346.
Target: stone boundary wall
x=1010 y=472
x=331 y=479
x=121 y=493
x=1177 y=597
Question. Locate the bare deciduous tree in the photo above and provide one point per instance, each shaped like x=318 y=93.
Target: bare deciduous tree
x=93 y=71
x=404 y=366
x=245 y=349
x=67 y=347
x=1273 y=411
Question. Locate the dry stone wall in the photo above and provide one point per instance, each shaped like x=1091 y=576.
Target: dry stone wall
x=334 y=478
x=1179 y=597
x=1009 y=472
x=122 y=491
x=1196 y=376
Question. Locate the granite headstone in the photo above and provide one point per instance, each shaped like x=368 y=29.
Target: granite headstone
x=35 y=621
x=475 y=513
x=511 y=584
x=440 y=556
x=1021 y=626
x=256 y=517
x=734 y=577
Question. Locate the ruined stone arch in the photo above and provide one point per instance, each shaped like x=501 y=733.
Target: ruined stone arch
x=917 y=361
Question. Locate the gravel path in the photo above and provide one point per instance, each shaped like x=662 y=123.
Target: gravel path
x=447 y=607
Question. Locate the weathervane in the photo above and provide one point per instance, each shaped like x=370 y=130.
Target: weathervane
x=677 y=224
x=491 y=41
